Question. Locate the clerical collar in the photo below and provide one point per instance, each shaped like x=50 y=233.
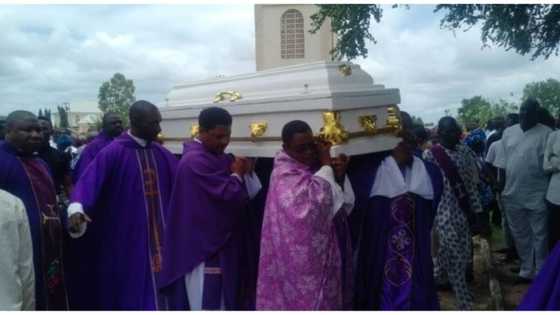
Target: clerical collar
x=141 y=142
x=197 y=140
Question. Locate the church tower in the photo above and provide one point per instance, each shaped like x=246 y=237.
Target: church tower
x=282 y=36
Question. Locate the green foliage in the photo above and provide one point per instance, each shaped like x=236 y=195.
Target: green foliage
x=546 y=92
x=477 y=111
x=350 y=22
x=417 y=121
x=525 y=28
x=63 y=114
x=116 y=95
x=45 y=113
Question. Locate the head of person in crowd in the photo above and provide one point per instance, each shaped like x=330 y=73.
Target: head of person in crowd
x=529 y=113
x=214 y=125
x=406 y=121
x=422 y=136
x=2 y=129
x=546 y=118
x=46 y=131
x=298 y=142
x=491 y=124
x=476 y=140
x=23 y=132
x=404 y=151
x=499 y=123
x=63 y=142
x=144 y=120
x=112 y=124
x=449 y=132
x=511 y=119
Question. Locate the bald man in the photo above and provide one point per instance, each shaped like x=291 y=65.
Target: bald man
x=27 y=177
x=117 y=212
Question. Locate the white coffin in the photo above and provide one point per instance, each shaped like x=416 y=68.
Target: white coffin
x=277 y=96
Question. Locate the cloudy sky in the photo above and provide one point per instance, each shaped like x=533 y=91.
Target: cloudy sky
x=51 y=54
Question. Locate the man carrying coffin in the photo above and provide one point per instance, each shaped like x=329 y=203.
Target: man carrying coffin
x=394 y=262
x=122 y=198
x=300 y=265
x=204 y=255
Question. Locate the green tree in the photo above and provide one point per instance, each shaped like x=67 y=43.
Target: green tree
x=525 y=28
x=477 y=111
x=63 y=114
x=350 y=22
x=116 y=95
x=547 y=92
x=417 y=121
x=474 y=111
x=45 y=113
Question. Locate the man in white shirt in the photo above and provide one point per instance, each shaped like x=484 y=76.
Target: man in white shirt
x=552 y=166
x=17 y=279
x=525 y=188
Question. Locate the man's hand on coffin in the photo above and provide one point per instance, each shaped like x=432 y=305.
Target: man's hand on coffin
x=240 y=166
x=76 y=220
x=340 y=165
x=323 y=151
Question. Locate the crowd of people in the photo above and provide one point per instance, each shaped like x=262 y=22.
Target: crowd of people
x=117 y=222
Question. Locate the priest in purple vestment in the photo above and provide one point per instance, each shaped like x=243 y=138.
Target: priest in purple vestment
x=112 y=128
x=26 y=176
x=300 y=265
x=117 y=215
x=544 y=293
x=394 y=269
x=204 y=259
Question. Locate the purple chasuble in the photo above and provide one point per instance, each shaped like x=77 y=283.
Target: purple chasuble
x=125 y=191
x=340 y=221
x=89 y=153
x=207 y=223
x=300 y=264
x=28 y=179
x=394 y=269
x=544 y=293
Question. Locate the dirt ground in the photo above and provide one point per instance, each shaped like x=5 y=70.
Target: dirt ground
x=512 y=294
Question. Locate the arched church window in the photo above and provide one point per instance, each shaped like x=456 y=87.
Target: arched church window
x=292 y=42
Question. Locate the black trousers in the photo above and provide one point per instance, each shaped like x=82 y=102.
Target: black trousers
x=553 y=224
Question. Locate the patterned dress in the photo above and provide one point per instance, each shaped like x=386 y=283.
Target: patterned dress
x=452 y=227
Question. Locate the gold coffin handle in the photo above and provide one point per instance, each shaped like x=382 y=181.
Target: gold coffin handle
x=232 y=96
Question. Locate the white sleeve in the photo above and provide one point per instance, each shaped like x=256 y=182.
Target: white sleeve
x=349 y=197
x=551 y=162
x=327 y=173
x=500 y=160
x=26 y=268
x=491 y=155
x=253 y=184
x=73 y=208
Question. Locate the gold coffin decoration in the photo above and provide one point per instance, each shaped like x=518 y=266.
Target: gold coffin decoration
x=332 y=130
x=194 y=130
x=393 y=118
x=160 y=138
x=232 y=96
x=369 y=124
x=345 y=70
x=258 y=129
